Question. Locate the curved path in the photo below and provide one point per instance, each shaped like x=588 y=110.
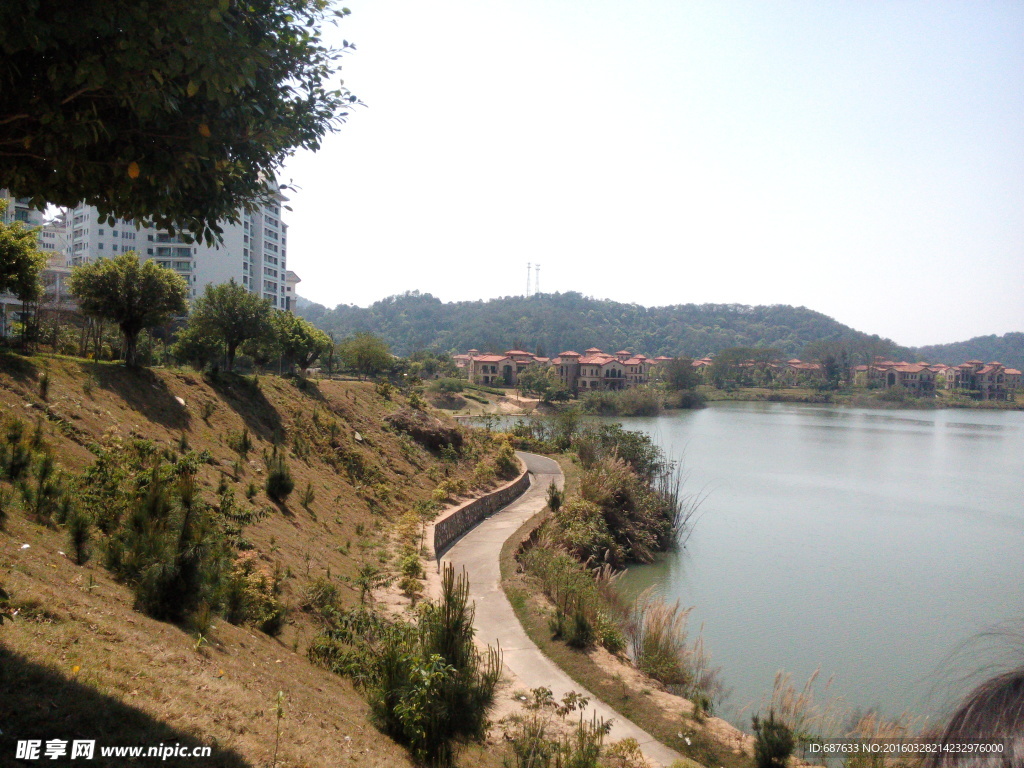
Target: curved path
x=479 y=551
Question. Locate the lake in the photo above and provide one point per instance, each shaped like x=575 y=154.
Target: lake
x=874 y=545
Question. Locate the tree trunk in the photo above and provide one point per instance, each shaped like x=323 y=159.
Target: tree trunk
x=131 y=344
x=231 y=356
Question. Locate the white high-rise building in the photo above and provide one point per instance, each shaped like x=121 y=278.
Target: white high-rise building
x=55 y=240
x=252 y=253
x=18 y=210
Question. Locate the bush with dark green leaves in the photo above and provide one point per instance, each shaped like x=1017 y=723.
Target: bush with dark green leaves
x=280 y=483
x=773 y=742
x=162 y=538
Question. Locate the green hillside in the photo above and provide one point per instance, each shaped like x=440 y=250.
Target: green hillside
x=1008 y=349
x=550 y=323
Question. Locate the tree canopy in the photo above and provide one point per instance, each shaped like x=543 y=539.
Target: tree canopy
x=21 y=261
x=229 y=314
x=134 y=295
x=300 y=342
x=678 y=373
x=561 y=321
x=176 y=113
x=365 y=354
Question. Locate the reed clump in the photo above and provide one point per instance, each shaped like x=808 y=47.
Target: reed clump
x=661 y=648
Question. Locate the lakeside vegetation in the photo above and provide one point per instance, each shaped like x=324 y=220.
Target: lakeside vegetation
x=857 y=397
x=626 y=504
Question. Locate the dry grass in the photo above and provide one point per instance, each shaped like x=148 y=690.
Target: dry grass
x=662 y=649
x=83 y=663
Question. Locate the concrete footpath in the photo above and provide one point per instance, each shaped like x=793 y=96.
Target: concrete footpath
x=479 y=553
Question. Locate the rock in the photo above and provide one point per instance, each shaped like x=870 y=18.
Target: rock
x=428 y=431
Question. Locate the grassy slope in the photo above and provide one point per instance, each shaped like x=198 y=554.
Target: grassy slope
x=81 y=663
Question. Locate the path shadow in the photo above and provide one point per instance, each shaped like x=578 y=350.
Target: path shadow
x=246 y=399
x=37 y=702
x=142 y=391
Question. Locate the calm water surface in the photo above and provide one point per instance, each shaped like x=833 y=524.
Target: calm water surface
x=872 y=544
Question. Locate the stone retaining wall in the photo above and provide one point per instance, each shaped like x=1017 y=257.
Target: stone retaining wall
x=461 y=519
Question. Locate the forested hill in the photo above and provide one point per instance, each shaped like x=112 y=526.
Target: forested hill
x=551 y=323
x=1008 y=349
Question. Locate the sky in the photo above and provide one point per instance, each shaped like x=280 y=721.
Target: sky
x=864 y=159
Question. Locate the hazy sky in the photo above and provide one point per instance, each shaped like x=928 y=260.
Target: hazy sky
x=864 y=159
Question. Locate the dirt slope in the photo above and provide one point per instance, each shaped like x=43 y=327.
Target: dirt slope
x=79 y=662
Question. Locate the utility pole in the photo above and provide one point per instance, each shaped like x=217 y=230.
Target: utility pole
x=528 y=265
x=536 y=281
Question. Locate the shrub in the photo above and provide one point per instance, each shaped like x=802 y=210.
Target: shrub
x=322 y=597
x=428 y=686
x=163 y=539
x=582 y=529
x=279 y=478
x=637 y=401
x=385 y=389
x=5 y=503
x=16 y=453
x=773 y=742
x=573 y=589
x=251 y=595
x=483 y=473
x=505 y=462
x=640 y=520
x=42 y=490
x=409 y=564
x=240 y=442
x=575 y=628
x=308 y=496
x=175 y=554
x=538 y=740
x=44 y=386
x=79 y=534
x=448 y=385
x=555 y=497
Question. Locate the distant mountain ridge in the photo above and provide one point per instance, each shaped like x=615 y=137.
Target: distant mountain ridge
x=1007 y=349
x=551 y=323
